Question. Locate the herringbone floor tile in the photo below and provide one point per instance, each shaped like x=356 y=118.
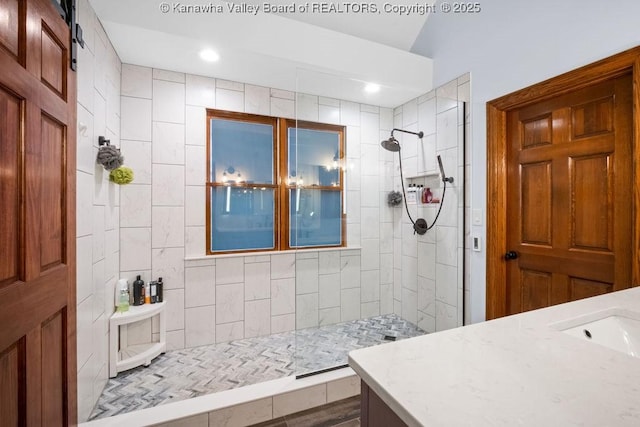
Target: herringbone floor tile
x=183 y=374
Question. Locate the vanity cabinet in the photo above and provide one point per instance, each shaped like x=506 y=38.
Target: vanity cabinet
x=374 y=412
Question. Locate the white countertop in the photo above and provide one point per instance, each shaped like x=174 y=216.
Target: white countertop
x=513 y=371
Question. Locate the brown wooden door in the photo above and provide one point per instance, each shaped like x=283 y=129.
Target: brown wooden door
x=37 y=217
x=569 y=196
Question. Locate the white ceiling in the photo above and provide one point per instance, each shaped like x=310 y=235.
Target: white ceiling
x=328 y=54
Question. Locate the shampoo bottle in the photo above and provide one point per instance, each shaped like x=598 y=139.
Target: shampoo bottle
x=138 y=291
x=427 y=196
x=147 y=294
x=123 y=300
x=153 y=286
x=159 y=287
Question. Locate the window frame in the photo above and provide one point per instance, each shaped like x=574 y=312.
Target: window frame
x=281 y=186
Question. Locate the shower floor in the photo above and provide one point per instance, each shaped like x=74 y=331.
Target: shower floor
x=193 y=372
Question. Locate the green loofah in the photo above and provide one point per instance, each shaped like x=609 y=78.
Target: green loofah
x=121 y=176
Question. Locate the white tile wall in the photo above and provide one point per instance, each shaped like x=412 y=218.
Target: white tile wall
x=97 y=200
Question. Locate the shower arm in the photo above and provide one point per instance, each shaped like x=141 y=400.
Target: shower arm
x=418 y=134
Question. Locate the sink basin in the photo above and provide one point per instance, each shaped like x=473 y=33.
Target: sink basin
x=615 y=328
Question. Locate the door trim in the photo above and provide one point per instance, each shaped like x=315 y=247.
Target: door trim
x=627 y=62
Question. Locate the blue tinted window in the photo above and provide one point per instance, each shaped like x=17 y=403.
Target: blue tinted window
x=242 y=218
x=241 y=152
x=314 y=157
x=315 y=217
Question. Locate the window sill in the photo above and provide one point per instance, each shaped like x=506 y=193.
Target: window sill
x=263 y=253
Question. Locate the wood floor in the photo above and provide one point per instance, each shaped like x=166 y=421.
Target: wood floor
x=343 y=413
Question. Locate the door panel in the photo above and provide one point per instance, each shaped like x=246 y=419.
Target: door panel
x=569 y=182
x=37 y=207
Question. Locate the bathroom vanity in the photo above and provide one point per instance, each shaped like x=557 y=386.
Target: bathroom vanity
x=571 y=364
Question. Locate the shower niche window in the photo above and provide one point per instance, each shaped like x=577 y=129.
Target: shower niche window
x=273 y=184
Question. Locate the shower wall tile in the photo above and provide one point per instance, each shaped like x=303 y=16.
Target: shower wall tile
x=175 y=308
x=307 y=107
x=282 y=107
x=229 y=270
x=410 y=305
x=349 y=304
x=229 y=331
x=167 y=188
x=200 y=91
x=229 y=302
x=175 y=340
x=283 y=266
x=167 y=226
x=386 y=299
x=195 y=165
x=299 y=400
x=135 y=249
x=328 y=316
x=243 y=415
x=168 y=143
x=283 y=323
x=135 y=205
x=370 y=309
x=447 y=246
x=329 y=114
x=170 y=76
x=200 y=286
x=370 y=254
x=306 y=276
x=195 y=125
x=329 y=290
x=200 y=326
x=168 y=101
x=194 y=209
x=370 y=286
x=230 y=100
x=138 y=158
x=283 y=296
x=329 y=262
x=136 y=81
x=257 y=320
x=350 y=272
x=168 y=263
x=257 y=281
x=349 y=113
x=257 y=100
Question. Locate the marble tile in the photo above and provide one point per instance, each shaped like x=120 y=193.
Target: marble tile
x=85 y=391
x=349 y=272
x=369 y=193
x=257 y=100
x=386 y=268
x=427 y=260
x=195 y=126
x=447 y=245
x=168 y=143
x=283 y=94
x=244 y=414
x=427 y=296
x=410 y=113
x=136 y=81
x=329 y=114
x=136 y=119
x=299 y=400
x=370 y=155
x=84 y=203
x=370 y=288
x=370 y=254
x=175 y=340
x=229 y=270
x=194 y=241
x=168 y=101
x=370 y=222
x=196 y=165
x=369 y=129
x=386 y=119
x=168 y=227
x=447 y=96
x=257 y=281
x=98 y=290
x=200 y=91
x=135 y=249
x=257 y=320
x=137 y=156
x=446 y=316
x=283 y=266
x=230 y=85
x=200 y=289
x=446 y=284
x=329 y=316
x=350 y=304
x=307 y=107
x=194 y=209
x=353 y=141
x=135 y=206
x=283 y=296
x=329 y=262
x=306 y=311
x=410 y=273
x=170 y=76
x=370 y=309
x=426 y=322
x=329 y=290
x=167 y=188
x=229 y=302
x=343 y=388
x=353 y=208
x=409 y=305
x=229 y=100
x=447 y=130
x=306 y=276
x=85 y=81
x=282 y=107
x=84 y=315
x=283 y=323
x=175 y=308
x=349 y=113
x=386 y=299
x=200 y=326
x=86 y=152
x=168 y=263
x=229 y=331
x=84 y=274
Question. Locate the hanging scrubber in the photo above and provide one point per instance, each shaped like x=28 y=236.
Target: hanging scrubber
x=108 y=156
x=121 y=176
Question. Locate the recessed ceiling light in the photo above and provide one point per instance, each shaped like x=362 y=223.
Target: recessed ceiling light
x=372 y=88
x=209 y=55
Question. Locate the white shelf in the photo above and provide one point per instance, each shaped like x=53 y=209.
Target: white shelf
x=139 y=354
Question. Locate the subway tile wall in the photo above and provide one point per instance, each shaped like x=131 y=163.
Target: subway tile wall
x=97 y=224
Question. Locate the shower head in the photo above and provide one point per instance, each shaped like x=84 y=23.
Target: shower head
x=392 y=144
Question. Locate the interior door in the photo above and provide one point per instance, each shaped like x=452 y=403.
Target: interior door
x=569 y=196
x=37 y=217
